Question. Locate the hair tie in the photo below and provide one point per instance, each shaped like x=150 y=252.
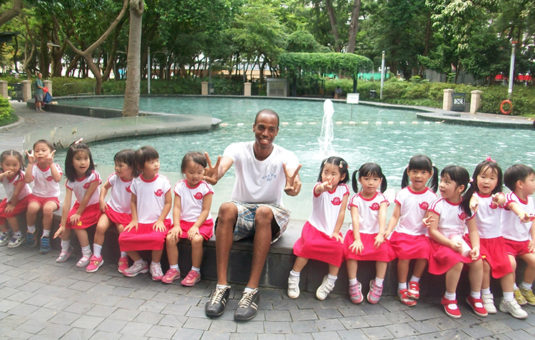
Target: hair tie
x=341 y=164
x=78 y=141
x=489 y=159
x=471 y=180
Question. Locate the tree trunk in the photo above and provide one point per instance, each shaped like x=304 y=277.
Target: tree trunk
x=353 y=27
x=131 y=93
x=9 y=14
x=332 y=20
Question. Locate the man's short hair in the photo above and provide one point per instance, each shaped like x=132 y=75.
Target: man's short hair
x=268 y=111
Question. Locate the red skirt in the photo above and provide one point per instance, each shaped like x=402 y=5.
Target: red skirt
x=370 y=253
x=20 y=207
x=315 y=245
x=443 y=258
x=88 y=218
x=206 y=230
x=43 y=200
x=516 y=248
x=144 y=238
x=493 y=251
x=409 y=247
x=117 y=217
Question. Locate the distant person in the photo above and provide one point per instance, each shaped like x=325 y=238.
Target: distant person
x=338 y=92
x=263 y=171
x=38 y=92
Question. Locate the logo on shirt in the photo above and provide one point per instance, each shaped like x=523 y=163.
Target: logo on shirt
x=269 y=177
x=198 y=196
x=375 y=206
x=128 y=189
x=493 y=205
x=158 y=192
x=424 y=205
x=336 y=201
x=86 y=185
x=462 y=216
x=50 y=178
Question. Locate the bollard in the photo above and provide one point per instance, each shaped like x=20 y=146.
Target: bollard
x=26 y=90
x=475 y=101
x=447 y=102
x=204 y=88
x=247 y=89
x=3 y=89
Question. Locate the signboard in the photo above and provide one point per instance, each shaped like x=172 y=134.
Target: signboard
x=352 y=98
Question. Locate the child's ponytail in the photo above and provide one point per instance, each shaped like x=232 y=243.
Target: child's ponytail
x=383 y=183
x=433 y=184
x=354 y=181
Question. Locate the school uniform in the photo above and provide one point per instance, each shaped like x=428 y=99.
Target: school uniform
x=92 y=212
x=191 y=201
x=118 y=207
x=22 y=198
x=515 y=233
x=45 y=188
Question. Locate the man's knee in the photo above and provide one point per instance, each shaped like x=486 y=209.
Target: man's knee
x=263 y=216
x=227 y=212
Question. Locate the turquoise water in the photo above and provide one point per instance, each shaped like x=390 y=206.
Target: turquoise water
x=361 y=134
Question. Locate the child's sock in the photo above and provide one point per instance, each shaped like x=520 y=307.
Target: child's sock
x=485 y=291
x=450 y=296
x=525 y=285
x=97 y=249
x=294 y=273
x=414 y=279
x=475 y=295
x=331 y=279
x=139 y=261
x=508 y=296
x=17 y=234
x=46 y=233
x=248 y=290
x=174 y=266
x=198 y=270
x=219 y=286
x=379 y=282
x=402 y=285
x=123 y=254
x=86 y=251
x=65 y=244
x=353 y=282
x=515 y=287
x=31 y=229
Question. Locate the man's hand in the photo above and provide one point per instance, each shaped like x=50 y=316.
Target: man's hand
x=211 y=173
x=293 y=183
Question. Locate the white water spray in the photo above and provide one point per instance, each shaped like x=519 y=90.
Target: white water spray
x=326 y=135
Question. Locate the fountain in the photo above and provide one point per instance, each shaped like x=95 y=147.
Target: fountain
x=326 y=135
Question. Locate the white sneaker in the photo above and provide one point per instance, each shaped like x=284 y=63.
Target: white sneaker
x=16 y=241
x=512 y=307
x=156 y=272
x=83 y=261
x=293 y=287
x=324 y=289
x=488 y=303
x=137 y=268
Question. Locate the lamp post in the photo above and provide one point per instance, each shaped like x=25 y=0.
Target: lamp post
x=382 y=74
x=511 y=71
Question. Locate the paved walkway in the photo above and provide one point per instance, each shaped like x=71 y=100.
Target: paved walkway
x=40 y=299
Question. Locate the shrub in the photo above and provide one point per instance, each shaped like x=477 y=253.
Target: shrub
x=6 y=112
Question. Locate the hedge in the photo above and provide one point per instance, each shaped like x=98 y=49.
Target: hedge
x=6 y=112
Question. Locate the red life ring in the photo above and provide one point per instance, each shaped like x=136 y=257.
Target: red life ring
x=510 y=108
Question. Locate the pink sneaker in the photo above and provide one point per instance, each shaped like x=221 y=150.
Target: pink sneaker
x=355 y=293
x=374 y=295
x=122 y=265
x=171 y=275
x=191 y=279
x=94 y=264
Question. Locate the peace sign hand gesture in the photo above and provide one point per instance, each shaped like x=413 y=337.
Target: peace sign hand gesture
x=293 y=183
x=31 y=156
x=211 y=173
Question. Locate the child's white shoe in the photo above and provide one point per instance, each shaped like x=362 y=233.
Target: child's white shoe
x=324 y=289
x=293 y=287
x=488 y=303
x=83 y=261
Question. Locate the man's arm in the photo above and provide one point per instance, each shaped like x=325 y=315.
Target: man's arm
x=213 y=173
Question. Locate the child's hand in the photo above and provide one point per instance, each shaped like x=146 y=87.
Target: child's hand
x=531 y=246
x=474 y=253
x=31 y=157
x=74 y=219
x=131 y=225
x=338 y=237
x=356 y=246
x=379 y=239
x=456 y=245
x=174 y=234
x=327 y=185
x=5 y=174
x=211 y=173
x=9 y=208
x=59 y=232
x=293 y=184
x=498 y=199
x=192 y=232
x=427 y=221
x=50 y=157
x=102 y=206
x=474 y=203
x=159 y=226
x=524 y=217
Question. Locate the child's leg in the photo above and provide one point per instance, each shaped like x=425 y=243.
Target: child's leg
x=419 y=268
x=13 y=223
x=352 y=267
x=196 y=251
x=485 y=283
x=475 y=275
x=48 y=215
x=403 y=271
x=380 y=269
x=31 y=215
x=81 y=234
x=355 y=288
x=134 y=255
x=452 y=278
x=157 y=256
x=529 y=277
x=171 y=247
x=512 y=260
x=299 y=264
x=100 y=233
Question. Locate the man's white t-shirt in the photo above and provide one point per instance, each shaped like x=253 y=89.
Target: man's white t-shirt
x=259 y=181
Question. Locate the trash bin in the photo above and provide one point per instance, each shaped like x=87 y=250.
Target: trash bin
x=373 y=94
x=459 y=102
x=15 y=91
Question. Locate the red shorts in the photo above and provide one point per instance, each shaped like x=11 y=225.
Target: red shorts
x=144 y=238
x=117 y=217
x=206 y=229
x=43 y=200
x=516 y=248
x=493 y=251
x=409 y=247
x=315 y=245
x=88 y=218
x=443 y=258
x=370 y=253
x=20 y=207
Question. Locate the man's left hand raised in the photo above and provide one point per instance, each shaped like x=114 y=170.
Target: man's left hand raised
x=293 y=182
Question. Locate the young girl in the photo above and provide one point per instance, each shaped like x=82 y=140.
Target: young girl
x=409 y=239
x=518 y=226
x=485 y=199
x=191 y=216
x=366 y=242
x=117 y=210
x=16 y=201
x=450 y=246
x=321 y=238
x=150 y=205
x=83 y=181
x=45 y=175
